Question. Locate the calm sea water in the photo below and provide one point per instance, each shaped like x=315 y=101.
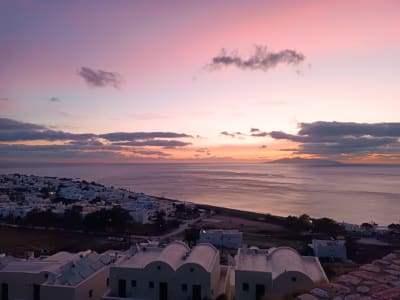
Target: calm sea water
x=346 y=193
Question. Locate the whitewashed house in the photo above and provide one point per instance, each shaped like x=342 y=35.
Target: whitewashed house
x=231 y=239
x=274 y=272
x=62 y=276
x=170 y=273
x=329 y=248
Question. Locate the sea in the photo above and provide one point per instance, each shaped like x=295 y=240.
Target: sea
x=348 y=193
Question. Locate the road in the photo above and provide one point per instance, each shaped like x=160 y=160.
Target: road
x=180 y=229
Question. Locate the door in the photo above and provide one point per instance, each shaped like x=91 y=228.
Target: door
x=36 y=292
x=122 y=288
x=4 y=291
x=163 y=291
x=260 y=291
x=196 y=292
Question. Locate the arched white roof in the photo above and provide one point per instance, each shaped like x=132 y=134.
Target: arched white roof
x=173 y=254
x=284 y=259
x=203 y=255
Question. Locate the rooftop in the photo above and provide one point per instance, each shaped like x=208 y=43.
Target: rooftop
x=175 y=255
x=279 y=260
x=62 y=268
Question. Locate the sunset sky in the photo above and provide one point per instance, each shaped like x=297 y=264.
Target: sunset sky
x=125 y=80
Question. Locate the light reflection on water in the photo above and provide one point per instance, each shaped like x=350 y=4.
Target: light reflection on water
x=346 y=193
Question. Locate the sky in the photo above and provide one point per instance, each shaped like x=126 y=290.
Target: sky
x=253 y=81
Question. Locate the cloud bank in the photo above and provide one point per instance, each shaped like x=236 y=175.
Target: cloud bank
x=82 y=145
x=260 y=60
x=100 y=78
x=344 y=138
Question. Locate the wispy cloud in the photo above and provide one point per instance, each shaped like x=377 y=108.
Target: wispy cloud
x=231 y=134
x=261 y=59
x=54 y=99
x=129 y=136
x=100 y=78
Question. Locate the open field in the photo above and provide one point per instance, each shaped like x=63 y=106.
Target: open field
x=15 y=241
x=242 y=224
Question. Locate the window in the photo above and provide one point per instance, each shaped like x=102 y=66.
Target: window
x=191 y=270
x=4 y=291
x=151 y=284
x=184 y=287
x=90 y=293
x=108 y=281
x=294 y=279
x=133 y=283
x=245 y=287
x=158 y=267
x=122 y=288
x=36 y=292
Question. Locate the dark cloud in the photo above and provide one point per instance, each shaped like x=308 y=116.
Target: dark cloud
x=259 y=134
x=54 y=99
x=100 y=78
x=261 y=59
x=338 y=138
x=349 y=128
x=254 y=130
x=13 y=131
x=232 y=134
x=203 y=150
x=10 y=125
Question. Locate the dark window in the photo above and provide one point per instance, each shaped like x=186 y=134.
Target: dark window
x=294 y=279
x=133 y=283
x=90 y=293
x=158 y=267
x=163 y=291
x=36 y=292
x=151 y=284
x=122 y=288
x=245 y=287
x=260 y=291
x=191 y=270
x=184 y=287
x=196 y=292
x=108 y=281
x=4 y=291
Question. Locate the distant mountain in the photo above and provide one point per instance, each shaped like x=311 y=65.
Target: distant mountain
x=306 y=161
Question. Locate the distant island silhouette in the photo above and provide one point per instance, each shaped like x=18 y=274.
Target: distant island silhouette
x=306 y=161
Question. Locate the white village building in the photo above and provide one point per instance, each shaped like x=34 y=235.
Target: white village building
x=170 y=273
x=329 y=248
x=231 y=239
x=62 y=276
x=274 y=272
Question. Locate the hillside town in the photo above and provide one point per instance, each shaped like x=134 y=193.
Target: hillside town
x=22 y=194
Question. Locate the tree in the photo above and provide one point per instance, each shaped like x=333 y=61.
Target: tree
x=326 y=225
x=116 y=219
x=73 y=218
x=367 y=226
x=191 y=236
